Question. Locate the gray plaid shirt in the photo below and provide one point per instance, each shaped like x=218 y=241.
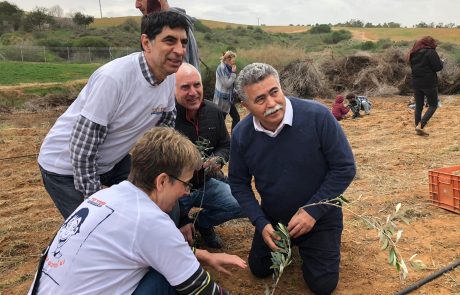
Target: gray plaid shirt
x=87 y=136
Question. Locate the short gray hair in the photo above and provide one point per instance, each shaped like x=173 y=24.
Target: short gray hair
x=252 y=74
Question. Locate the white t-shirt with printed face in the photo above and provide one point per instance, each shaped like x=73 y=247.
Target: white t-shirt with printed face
x=116 y=96
x=108 y=243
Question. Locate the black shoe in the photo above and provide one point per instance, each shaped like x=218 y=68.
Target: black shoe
x=210 y=238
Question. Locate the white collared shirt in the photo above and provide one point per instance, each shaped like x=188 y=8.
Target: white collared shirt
x=287 y=120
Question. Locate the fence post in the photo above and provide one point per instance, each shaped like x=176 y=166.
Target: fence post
x=68 y=54
x=22 y=55
x=44 y=52
x=89 y=50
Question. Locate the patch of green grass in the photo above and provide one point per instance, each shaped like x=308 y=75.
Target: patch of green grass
x=42 y=91
x=13 y=73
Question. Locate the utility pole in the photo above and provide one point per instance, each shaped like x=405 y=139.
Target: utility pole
x=258 y=22
x=100 y=7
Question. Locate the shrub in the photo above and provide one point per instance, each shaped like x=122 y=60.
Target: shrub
x=337 y=36
x=54 y=42
x=368 y=45
x=448 y=46
x=200 y=27
x=384 y=43
x=11 y=39
x=208 y=36
x=320 y=29
x=91 y=41
x=130 y=25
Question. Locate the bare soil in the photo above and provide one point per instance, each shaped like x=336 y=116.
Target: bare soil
x=393 y=165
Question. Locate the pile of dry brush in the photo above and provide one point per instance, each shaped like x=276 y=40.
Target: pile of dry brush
x=384 y=74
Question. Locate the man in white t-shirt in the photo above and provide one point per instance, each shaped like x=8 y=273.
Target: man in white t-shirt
x=88 y=146
x=122 y=241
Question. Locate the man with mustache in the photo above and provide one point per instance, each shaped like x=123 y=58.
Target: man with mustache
x=298 y=155
x=200 y=119
x=149 y=6
x=89 y=145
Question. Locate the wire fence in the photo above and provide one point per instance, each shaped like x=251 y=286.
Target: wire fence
x=63 y=54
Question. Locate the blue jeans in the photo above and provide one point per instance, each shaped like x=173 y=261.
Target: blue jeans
x=319 y=250
x=154 y=283
x=62 y=189
x=217 y=202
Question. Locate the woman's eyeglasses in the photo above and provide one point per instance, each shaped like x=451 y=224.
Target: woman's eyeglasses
x=188 y=185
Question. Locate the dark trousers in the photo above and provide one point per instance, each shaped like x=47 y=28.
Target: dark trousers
x=154 y=283
x=62 y=190
x=319 y=250
x=234 y=115
x=432 y=99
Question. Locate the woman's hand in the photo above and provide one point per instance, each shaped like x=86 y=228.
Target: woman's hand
x=220 y=261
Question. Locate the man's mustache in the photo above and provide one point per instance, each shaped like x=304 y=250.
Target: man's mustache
x=273 y=110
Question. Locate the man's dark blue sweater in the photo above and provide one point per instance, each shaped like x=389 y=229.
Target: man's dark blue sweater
x=305 y=163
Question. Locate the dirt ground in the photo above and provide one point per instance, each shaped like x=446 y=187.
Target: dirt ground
x=393 y=166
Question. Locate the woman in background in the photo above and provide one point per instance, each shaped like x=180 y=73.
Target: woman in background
x=424 y=62
x=223 y=93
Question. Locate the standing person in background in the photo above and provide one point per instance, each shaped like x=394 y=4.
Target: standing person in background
x=339 y=110
x=149 y=6
x=89 y=144
x=223 y=93
x=424 y=62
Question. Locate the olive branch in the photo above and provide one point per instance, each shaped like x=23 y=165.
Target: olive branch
x=388 y=233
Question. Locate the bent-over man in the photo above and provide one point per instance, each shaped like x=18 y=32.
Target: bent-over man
x=88 y=145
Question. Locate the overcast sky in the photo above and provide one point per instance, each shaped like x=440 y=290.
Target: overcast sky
x=276 y=12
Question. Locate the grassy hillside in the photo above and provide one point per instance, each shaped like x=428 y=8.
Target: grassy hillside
x=14 y=73
x=408 y=34
x=395 y=34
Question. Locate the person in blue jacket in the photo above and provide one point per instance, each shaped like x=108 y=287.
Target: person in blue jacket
x=298 y=155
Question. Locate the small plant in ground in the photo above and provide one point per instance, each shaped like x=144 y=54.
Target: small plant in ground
x=388 y=232
x=280 y=258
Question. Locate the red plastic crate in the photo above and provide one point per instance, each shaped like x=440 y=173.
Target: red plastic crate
x=445 y=188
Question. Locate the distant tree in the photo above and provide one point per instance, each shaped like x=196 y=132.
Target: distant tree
x=38 y=18
x=82 y=20
x=368 y=45
x=56 y=11
x=421 y=25
x=450 y=25
x=355 y=23
x=369 y=25
x=393 y=25
x=10 y=17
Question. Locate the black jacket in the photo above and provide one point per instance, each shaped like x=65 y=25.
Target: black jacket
x=211 y=126
x=424 y=64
